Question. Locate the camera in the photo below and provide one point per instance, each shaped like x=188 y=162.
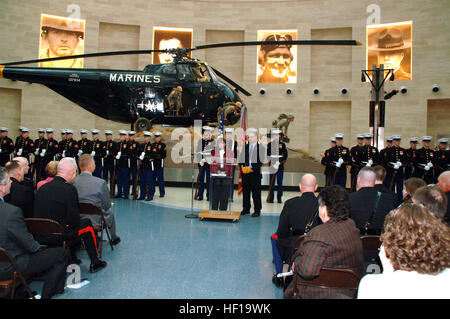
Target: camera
x=316 y=91
x=436 y=88
x=289 y=91
x=262 y=91
x=403 y=89
x=344 y=91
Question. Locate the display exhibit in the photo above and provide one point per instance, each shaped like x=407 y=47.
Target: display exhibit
x=277 y=63
x=391 y=45
x=170 y=38
x=61 y=37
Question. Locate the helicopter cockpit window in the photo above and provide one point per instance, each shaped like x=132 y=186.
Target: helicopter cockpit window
x=184 y=72
x=169 y=69
x=201 y=73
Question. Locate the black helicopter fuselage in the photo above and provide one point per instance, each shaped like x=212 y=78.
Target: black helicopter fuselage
x=126 y=96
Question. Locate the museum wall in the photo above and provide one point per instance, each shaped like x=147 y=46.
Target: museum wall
x=128 y=25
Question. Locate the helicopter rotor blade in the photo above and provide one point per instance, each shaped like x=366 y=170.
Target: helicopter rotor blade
x=89 y=55
x=237 y=86
x=291 y=42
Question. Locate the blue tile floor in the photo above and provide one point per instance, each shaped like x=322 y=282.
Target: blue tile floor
x=163 y=254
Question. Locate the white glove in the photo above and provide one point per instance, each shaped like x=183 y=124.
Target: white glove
x=427 y=168
x=276 y=165
x=80 y=152
x=43 y=153
x=118 y=155
x=93 y=153
x=202 y=162
x=396 y=166
x=429 y=164
x=338 y=164
x=142 y=156
x=36 y=152
x=399 y=164
x=0 y=150
x=370 y=162
x=107 y=153
x=19 y=152
x=340 y=161
x=64 y=154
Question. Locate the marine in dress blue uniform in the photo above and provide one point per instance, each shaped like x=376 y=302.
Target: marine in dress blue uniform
x=159 y=153
x=147 y=173
x=122 y=166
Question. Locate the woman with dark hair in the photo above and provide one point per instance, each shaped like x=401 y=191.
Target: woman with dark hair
x=334 y=244
x=415 y=255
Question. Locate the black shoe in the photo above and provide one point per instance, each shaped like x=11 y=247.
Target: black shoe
x=270 y=201
x=161 y=195
x=255 y=214
x=244 y=212
x=141 y=198
x=98 y=266
x=76 y=261
x=200 y=198
x=118 y=196
x=277 y=281
x=149 y=199
x=279 y=201
x=115 y=241
x=125 y=197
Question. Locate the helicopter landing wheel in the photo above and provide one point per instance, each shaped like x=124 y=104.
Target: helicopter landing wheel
x=142 y=124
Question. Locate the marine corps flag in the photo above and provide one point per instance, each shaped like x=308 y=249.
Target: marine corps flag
x=241 y=142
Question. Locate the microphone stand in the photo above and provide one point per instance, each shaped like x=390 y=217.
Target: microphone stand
x=192 y=215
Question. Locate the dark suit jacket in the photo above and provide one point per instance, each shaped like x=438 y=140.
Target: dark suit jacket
x=258 y=157
x=295 y=215
x=382 y=188
x=21 y=196
x=14 y=237
x=58 y=200
x=362 y=204
x=330 y=245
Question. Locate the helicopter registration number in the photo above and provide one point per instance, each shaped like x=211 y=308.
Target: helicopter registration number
x=127 y=77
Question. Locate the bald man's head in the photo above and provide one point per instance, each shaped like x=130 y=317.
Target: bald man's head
x=444 y=181
x=366 y=177
x=308 y=183
x=67 y=169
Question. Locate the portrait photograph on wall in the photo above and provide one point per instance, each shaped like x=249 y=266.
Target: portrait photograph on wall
x=276 y=63
x=170 y=38
x=391 y=45
x=60 y=37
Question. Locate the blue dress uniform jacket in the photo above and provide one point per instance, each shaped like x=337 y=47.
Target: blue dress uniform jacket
x=6 y=148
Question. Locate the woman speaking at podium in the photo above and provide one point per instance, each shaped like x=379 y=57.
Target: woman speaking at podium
x=221 y=165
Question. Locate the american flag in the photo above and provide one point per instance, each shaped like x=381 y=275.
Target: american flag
x=222 y=118
x=241 y=142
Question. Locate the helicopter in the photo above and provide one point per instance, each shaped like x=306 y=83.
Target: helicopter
x=139 y=97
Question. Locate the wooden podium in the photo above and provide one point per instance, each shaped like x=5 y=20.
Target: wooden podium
x=219 y=214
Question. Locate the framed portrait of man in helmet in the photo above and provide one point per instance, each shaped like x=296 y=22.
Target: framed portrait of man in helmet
x=170 y=38
x=391 y=45
x=276 y=63
x=60 y=37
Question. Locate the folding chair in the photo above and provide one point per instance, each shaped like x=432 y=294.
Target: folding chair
x=17 y=279
x=91 y=209
x=43 y=226
x=330 y=278
x=371 y=243
x=371 y=246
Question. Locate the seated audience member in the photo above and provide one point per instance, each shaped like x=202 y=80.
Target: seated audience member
x=334 y=244
x=20 y=195
x=29 y=255
x=50 y=170
x=380 y=173
x=411 y=186
x=58 y=200
x=415 y=254
x=444 y=185
x=363 y=203
x=94 y=190
x=296 y=214
x=432 y=198
x=26 y=168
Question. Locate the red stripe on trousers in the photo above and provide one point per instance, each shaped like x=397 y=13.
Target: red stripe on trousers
x=89 y=229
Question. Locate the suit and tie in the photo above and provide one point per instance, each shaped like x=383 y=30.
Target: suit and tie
x=30 y=256
x=94 y=190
